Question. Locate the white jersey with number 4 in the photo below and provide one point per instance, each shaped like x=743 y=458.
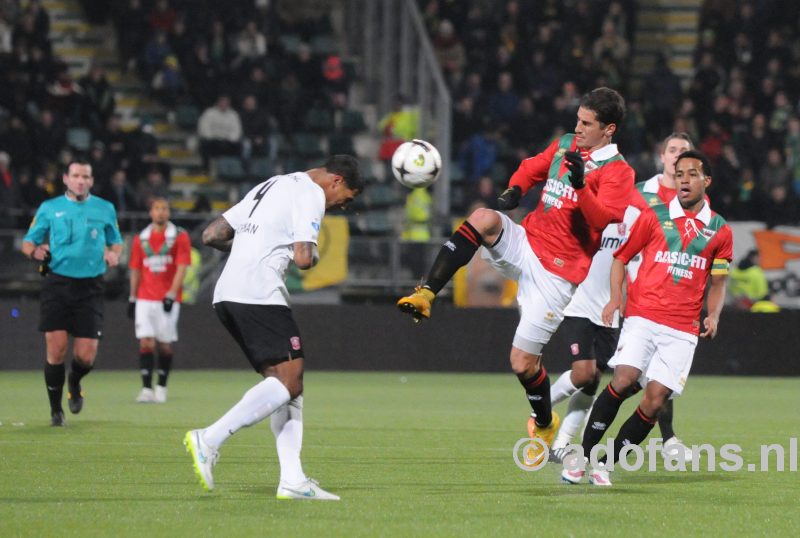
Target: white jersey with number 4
x=283 y=210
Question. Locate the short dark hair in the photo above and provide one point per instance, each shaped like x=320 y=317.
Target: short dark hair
x=346 y=166
x=77 y=160
x=680 y=135
x=607 y=104
x=695 y=154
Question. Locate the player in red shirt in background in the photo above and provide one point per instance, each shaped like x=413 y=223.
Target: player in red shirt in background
x=683 y=244
x=160 y=256
x=588 y=185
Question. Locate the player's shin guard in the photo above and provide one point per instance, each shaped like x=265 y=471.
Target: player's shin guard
x=146 y=364
x=603 y=413
x=54 y=376
x=665 y=421
x=537 y=387
x=164 y=366
x=454 y=254
x=287 y=426
x=634 y=431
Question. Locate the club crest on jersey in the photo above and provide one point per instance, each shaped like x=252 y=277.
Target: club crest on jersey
x=295 y=341
x=621 y=227
x=708 y=233
x=590 y=165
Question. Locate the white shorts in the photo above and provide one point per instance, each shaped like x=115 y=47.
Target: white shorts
x=662 y=353
x=541 y=295
x=153 y=322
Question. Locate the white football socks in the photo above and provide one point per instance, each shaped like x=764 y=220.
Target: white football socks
x=257 y=404
x=562 y=388
x=287 y=425
x=577 y=409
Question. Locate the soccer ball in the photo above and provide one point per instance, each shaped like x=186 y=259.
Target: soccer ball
x=416 y=164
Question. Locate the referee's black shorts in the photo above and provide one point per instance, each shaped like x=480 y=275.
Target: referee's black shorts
x=588 y=341
x=74 y=305
x=267 y=334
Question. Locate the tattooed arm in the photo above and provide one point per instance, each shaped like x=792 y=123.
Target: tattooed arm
x=219 y=235
x=305 y=255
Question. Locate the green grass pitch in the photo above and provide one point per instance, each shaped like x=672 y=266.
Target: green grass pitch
x=411 y=454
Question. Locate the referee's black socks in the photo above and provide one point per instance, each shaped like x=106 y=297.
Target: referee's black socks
x=77 y=371
x=54 y=375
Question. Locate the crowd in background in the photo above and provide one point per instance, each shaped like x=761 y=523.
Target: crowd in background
x=516 y=70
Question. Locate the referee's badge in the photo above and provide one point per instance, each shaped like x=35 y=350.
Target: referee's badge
x=575 y=348
x=295 y=341
x=94 y=233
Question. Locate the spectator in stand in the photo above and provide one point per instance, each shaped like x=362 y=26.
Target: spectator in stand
x=664 y=95
x=162 y=18
x=102 y=165
x=335 y=83
x=49 y=136
x=779 y=206
x=251 y=46
x=9 y=191
x=151 y=188
x=502 y=104
x=155 y=52
x=115 y=140
x=120 y=193
x=774 y=173
x=33 y=190
x=612 y=44
x=219 y=49
x=220 y=130
x=256 y=128
x=167 y=84
x=132 y=31
x=449 y=52
x=202 y=75
x=793 y=152
x=65 y=96
x=99 y=97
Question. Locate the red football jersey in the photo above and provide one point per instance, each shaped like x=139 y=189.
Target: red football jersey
x=158 y=261
x=679 y=252
x=566 y=227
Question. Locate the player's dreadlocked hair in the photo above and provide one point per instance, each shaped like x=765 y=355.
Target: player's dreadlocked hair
x=347 y=167
x=607 y=104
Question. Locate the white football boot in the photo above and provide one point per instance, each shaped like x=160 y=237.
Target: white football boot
x=308 y=490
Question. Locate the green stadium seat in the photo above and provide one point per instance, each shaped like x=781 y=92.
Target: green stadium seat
x=229 y=169
x=319 y=120
x=340 y=144
x=261 y=168
x=186 y=116
x=353 y=121
x=79 y=138
x=307 y=145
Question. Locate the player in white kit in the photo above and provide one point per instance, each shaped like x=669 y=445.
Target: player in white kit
x=276 y=223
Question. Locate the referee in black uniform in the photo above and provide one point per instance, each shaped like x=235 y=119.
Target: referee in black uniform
x=76 y=237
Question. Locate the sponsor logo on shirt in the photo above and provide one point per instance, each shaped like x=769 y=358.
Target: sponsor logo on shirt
x=681 y=258
x=556 y=191
x=157 y=263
